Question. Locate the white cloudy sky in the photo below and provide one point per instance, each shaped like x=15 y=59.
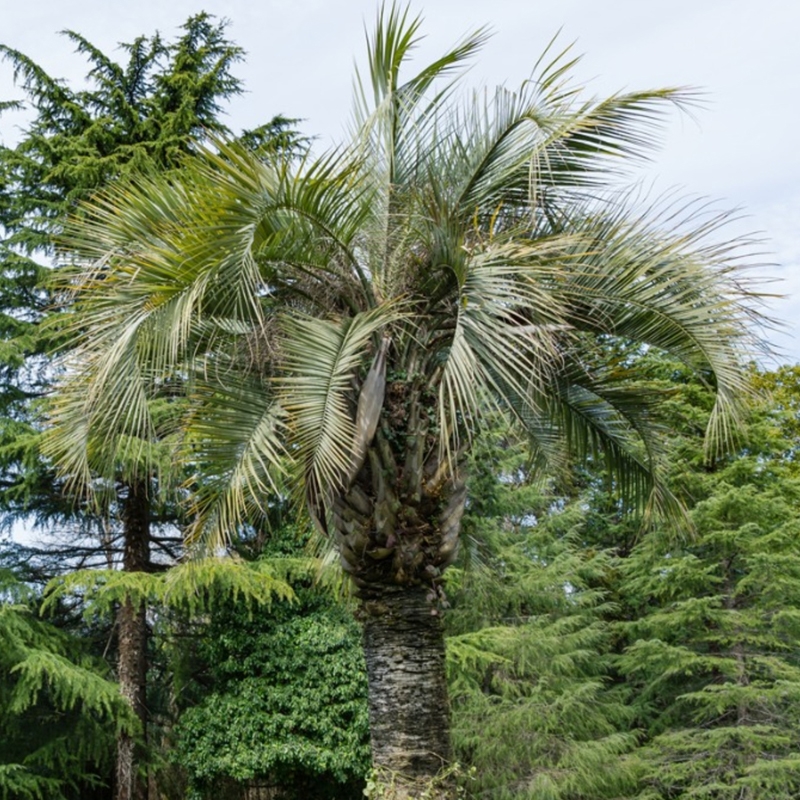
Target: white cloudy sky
x=740 y=150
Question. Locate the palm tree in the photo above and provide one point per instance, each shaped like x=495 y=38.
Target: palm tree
x=343 y=325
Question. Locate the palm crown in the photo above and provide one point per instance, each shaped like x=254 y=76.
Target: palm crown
x=466 y=254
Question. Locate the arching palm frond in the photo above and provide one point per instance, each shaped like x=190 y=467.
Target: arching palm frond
x=322 y=359
x=241 y=431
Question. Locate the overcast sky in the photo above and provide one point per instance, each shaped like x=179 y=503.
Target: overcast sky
x=740 y=150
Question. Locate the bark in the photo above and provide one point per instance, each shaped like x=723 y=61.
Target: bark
x=408 y=703
x=132 y=625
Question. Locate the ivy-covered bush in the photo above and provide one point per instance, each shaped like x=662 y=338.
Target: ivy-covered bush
x=287 y=703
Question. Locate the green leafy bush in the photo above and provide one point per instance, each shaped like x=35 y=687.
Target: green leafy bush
x=287 y=703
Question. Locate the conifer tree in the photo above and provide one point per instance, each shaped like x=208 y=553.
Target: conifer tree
x=697 y=628
x=191 y=589
x=535 y=713
x=59 y=710
x=713 y=661
x=139 y=115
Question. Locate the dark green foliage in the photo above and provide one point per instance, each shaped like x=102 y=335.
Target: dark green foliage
x=713 y=663
x=60 y=713
x=285 y=703
x=136 y=115
x=594 y=658
x=534 y=712
x=133 y=116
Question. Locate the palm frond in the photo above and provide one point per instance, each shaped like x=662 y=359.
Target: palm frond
x=670 y=289
x=235 y=445
x=322 y=359
x=506 y=338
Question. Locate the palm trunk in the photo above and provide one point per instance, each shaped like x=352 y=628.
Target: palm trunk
x=408 y=704
x=132 y=624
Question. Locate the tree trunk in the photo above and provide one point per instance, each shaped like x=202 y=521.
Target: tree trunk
x=132 y=626
x=408 y=704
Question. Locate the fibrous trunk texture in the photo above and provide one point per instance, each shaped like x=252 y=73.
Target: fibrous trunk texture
x=396 y=518
x=408 y=704
x=132 y=626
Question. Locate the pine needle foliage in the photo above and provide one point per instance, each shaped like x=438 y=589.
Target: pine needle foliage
x=60 y=711
x=528 y=657
x=713 y=660
x=194 y=586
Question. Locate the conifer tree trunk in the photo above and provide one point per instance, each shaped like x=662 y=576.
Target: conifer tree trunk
x=408 y=704
x=132 y=625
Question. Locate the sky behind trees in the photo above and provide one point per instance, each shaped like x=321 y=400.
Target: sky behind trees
x=738 y=149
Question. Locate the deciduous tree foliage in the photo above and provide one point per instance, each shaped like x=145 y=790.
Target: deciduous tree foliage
x=284 y=703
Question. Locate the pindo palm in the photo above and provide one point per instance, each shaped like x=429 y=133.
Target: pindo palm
x=341 y=325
